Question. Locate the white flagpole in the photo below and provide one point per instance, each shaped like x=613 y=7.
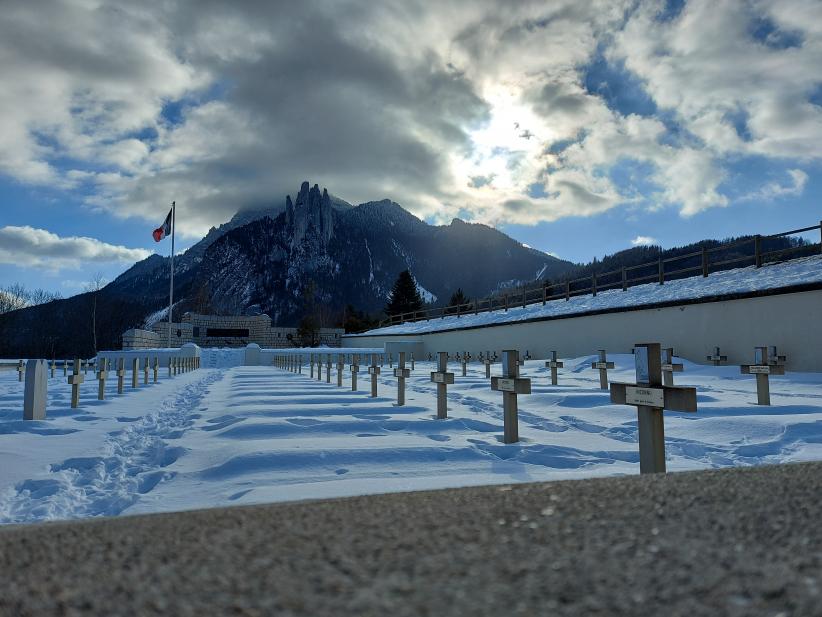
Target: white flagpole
x=171 y=284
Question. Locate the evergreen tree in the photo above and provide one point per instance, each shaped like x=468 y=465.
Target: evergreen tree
x=405 y=297
x=458 y=298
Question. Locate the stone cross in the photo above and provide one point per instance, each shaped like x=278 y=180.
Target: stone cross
x=35 y=392
x=764 y=365
x=135 y=364
x=170 y=366
x=716 y=358
x=374 y=371
x=511 y=385
x=311 y=364
x=340 y=369
x=774 y=358
x=355 y=368
x=669 y=367
x=465 y=358
x=328 y=368
x=300 y=364
x=488 y=363
x=442 y=378
x=20 y=370
x=390 y=361
x=430 y=356
x=528 y=355
x=603 y=365
x=65 y=368
x=401 y=373
x=412 y=360
x=156 y=367
x=53 y=365
x=554 y=364
x=651 y=398
x=74 y=380
x=121 y=373
x=382 y=359
x=102 y=375
x=145 y=371
x=85 y=367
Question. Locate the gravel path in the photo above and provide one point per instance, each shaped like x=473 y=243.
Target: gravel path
x=730 y=542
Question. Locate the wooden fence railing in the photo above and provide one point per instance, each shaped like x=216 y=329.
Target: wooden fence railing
x=692 y=264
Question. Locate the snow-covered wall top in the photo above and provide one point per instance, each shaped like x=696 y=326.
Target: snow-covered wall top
x=786 y=274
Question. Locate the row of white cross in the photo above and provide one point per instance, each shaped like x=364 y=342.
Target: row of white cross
x=36 y=386
x=653 y=392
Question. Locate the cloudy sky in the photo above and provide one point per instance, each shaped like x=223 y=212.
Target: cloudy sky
x=579 y=128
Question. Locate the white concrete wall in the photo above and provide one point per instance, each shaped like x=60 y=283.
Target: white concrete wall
x=792 y=322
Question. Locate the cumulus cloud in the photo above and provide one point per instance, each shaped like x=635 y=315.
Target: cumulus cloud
x=645 y=241
x=449 y=108
x=27 y=246
x=775 y=190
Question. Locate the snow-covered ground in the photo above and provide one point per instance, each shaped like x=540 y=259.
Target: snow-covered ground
x=236 y=435
x=740 y=280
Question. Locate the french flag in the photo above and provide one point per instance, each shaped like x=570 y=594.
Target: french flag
x=163 y=230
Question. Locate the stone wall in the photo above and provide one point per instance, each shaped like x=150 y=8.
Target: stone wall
x=140 y=339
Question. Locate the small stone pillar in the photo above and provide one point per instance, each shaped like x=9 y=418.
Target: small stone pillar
x=35 y=391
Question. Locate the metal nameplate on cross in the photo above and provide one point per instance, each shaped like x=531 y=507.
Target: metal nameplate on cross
x=652 y=398
x=511 y=385
x=602 y=365
x=554 y=364
x=669 y=367
x=442 y=378
x=766 y=363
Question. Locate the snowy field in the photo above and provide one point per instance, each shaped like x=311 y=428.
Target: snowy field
x=740 y=280
x=237 y=435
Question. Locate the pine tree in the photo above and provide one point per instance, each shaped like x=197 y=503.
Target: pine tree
x=458 y=298
x=405 y=297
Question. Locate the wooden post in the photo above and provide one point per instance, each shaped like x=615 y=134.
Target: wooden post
x=121 y=373
x=651 y=398
x=65 y=368
x=156 y=368
x=340 y=367
x=594 y=284
x=624 y=280
x=544 y=293
x=669 y=367
x=401 y=373
x=661 y=271
x=390 y=361
x=763 y=367
x=442 y=378
x=412 y=360
x=311 y=364
x=567 y=290
x=758 y=251
x=135 y=363
x=328 y=368
x=510 y=384
x=355 y=368
x=716 y=358
x=102 y=374
x=20 y=370
x=602 y=365
x=169 y=367
x=35 y=391
x=704 y=261
x=74 y=380
x=145 y=371
x=553 y=364
x=374 y=371
x=505 y=296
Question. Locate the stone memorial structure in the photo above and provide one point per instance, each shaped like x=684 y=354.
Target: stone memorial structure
x=35 y=393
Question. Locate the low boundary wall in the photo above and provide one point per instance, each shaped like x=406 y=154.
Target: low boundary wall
x=791 y=321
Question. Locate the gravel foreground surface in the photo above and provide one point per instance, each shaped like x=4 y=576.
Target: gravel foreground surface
x=729 y=542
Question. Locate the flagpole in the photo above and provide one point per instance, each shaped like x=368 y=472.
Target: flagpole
x=171 y=283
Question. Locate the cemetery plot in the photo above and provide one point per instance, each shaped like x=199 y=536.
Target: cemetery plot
x=231 y=434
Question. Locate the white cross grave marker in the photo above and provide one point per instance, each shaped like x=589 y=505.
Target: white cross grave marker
x=401 y=373
x=442 y=378
x=554 y=364
x=603 y=365
x=35 y=392
x=74 y=380
x=669 y=367
x=764 y=365
x=651 y=398
x=510 y=384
